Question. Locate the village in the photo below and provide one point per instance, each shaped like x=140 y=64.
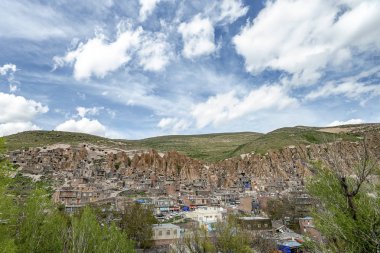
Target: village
x=114 y=179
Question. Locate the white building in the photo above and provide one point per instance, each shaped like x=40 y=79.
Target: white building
x=164 y=234
x=206 y=215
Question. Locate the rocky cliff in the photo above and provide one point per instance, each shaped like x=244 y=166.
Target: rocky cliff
x=91 y=161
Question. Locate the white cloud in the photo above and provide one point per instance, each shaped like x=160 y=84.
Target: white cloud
x=198 y=37
x=173 y=124
x=84 y=125
x=13 y=88
x=226 y=107
x=231 y=10
x=7 y=68
x=19 y=109
x=83 y=111
x=147 y=7
x=99 y=56
x=16 y=127
x=28 y=20
x=198 y=33
x=17 y=113
x=304 y=37
x=352 y=90
x=348 y=122
x=154 y=53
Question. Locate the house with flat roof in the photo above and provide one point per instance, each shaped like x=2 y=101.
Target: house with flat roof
x=255 y=223
x=307 y=228
x=206 y=216
x=165 y=234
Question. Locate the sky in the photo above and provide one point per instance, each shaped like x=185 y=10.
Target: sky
x=139 y=68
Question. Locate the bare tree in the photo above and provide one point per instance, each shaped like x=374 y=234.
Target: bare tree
x=347 y=185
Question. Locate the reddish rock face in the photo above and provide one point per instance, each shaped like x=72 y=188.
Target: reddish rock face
x=293 y=161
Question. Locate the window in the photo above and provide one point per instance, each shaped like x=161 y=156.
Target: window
x=167 y=232
x=266 y=225
x=175 y=231
x=160 y=233
x=259 y=225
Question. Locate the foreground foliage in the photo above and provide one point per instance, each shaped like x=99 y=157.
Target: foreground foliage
x=349 y=216
x=137 y=222
x=30 y=222
x=227 y=237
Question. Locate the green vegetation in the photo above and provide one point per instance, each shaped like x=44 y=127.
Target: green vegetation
x=33 y=223
x=284 y=137
x=349 y=214
x=278 y=209
x=137 y=222
x=207 y=147
x=228 y=237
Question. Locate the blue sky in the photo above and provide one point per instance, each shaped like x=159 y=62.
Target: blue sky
x=140 y=68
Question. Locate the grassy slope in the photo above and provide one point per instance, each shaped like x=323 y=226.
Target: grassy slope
x=209 y=147
x=291 y=136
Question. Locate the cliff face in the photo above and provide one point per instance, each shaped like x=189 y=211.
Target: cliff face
x=92 y=161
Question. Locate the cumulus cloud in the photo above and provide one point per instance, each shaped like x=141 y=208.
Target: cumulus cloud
x=347 y=122
x=173 y=124
x=226 y=107
x=154 y=53
x=19 y=109
x=84 y=125
x=197 y=36
x=303 y=37
x=100 y=56
x=16 y=127
x=147 y=7
x=198 y=33
x=17 y=113
x=8 y=71
x=7 y=68
x=83 y=111
x=230 y=10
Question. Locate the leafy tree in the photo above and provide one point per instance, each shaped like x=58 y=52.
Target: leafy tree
x=349 y=216
x=197 y=240
x=280 y=208
x=137 y=222
x=86 y=235
x=228 y=237
x=41 y=228
x=8 y=208
x=231 y=238
x=30 y=222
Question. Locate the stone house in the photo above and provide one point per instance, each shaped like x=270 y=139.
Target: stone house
x=255 y=223
x=164 y=234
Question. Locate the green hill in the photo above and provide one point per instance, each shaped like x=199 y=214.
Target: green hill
x=293 y=136
x=207 y=147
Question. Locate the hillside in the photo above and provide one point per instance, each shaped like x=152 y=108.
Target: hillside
x=284 y=137
x=208 y=147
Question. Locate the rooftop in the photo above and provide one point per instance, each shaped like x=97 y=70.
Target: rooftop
x=253 y=218
x=165 y=225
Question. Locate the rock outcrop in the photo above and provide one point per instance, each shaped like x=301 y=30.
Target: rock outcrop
x=91 y=161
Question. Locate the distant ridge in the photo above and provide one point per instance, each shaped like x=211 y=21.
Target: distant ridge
x=208 y=147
